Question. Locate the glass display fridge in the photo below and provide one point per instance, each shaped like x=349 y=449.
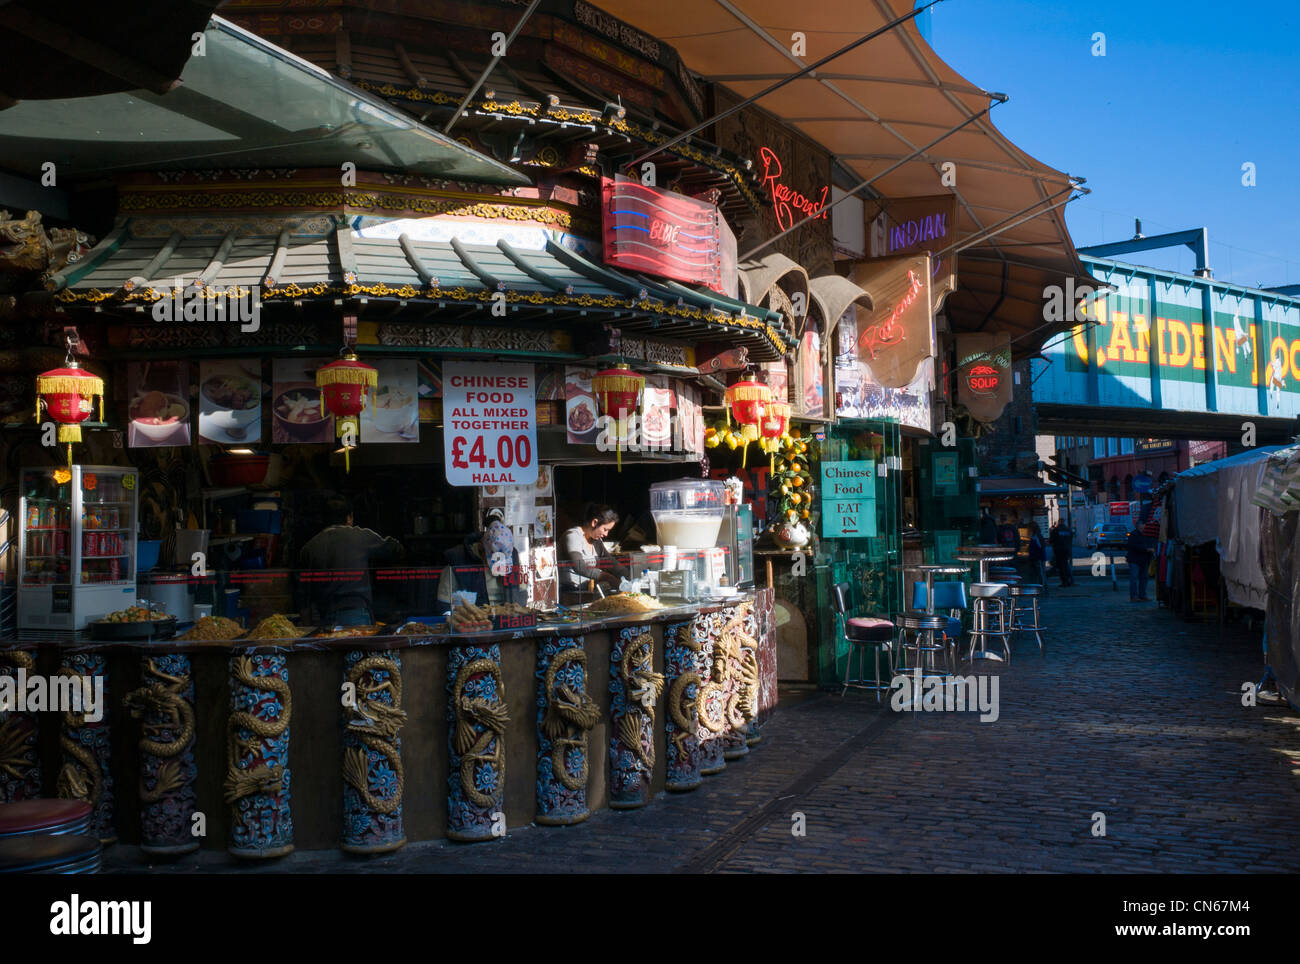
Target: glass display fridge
x=76 y=547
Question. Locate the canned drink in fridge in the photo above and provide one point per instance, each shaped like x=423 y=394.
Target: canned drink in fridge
x=114 y=570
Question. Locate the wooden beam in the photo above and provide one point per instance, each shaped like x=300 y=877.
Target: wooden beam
x=343 y=54
x=417 y=78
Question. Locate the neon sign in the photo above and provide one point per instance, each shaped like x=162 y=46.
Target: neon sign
x=983 y=379
x=664 y=233
x=874 y=338
x=786 y=199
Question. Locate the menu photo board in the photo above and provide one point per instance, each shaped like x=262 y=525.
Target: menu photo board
x=489 y=423
x=394 y=415
x=158 y=411
x=230 y=401
x=296 y=411
x=848 y=497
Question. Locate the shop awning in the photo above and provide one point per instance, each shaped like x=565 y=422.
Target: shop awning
x=1017 y=485
x=322 y=257
x=874 y=107
x=245 y=103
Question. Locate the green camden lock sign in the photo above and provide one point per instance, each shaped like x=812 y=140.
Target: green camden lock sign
x=849 y=499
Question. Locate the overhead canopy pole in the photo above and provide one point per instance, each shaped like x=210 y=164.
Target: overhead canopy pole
x=469 y=94
x=863 y=185
x=779 y=84
x=1014 y=220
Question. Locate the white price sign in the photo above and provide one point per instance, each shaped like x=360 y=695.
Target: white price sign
x=489 y=419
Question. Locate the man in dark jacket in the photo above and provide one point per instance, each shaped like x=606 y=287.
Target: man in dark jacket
x=338 y=560
x=1063 y=552
x=988 y=529
x=1138 y=555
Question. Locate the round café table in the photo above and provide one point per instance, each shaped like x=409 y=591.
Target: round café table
x=984 y=556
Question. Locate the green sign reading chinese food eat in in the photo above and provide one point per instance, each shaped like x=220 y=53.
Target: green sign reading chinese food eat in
x=848 y=495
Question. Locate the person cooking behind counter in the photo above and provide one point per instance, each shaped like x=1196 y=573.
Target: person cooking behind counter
x=584 y=552
x=348 y=551
x=485 y=564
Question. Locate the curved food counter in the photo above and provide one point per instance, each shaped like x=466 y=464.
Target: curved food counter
x=263 y=746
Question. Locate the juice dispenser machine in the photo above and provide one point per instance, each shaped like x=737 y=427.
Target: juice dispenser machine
x=688 y=515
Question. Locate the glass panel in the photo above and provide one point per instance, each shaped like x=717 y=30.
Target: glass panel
x=47 y=517
x=107 y=526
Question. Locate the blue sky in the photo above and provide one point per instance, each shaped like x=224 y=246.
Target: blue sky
x=1161 y=125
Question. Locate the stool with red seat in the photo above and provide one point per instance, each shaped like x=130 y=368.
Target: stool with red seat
x=862 y=632
x=65 y=853
x=56 y=817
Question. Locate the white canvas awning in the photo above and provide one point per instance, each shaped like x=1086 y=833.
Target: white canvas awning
x=874 y=107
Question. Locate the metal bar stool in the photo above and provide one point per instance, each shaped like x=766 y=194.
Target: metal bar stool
x=990 y=602
x=1007 y=576
x=43 y=853
x=861 y=632
x=25 y=818
x=1025 y=604
x=921 y=627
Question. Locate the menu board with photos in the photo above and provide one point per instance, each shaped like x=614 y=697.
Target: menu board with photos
x=296 y=413
x=230 y=401
x=158 y=407
x=395 y=415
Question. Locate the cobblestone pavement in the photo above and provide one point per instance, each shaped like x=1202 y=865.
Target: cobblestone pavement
x=1131 y=713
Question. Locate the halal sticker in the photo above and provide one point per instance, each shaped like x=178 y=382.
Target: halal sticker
x=90 y=481
x=128 y=482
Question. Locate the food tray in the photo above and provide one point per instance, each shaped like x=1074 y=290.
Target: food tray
x=145 y=629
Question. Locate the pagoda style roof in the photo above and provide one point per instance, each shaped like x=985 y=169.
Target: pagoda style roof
x=405 y=268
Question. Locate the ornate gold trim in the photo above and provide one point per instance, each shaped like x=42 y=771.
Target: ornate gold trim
x=580 y=116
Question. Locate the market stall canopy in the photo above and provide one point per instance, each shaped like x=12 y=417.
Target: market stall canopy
x=53 y=50
x=325 y=257
x=245 y=103
x=874 y=107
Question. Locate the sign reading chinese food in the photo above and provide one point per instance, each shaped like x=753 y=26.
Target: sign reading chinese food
x=898 y=334
x=984 y=374
x=490 y=423
x=660 y=232
x=849 y=498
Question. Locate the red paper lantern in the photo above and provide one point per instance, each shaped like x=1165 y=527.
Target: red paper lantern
x=344 y=385
x=618 y=390
x=67 y=395
x=776 y=419
x=748 y=400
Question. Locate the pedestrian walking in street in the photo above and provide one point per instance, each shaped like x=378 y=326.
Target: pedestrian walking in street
x=1063 y=552
x=1138 y=554
x=1038 y=556
x=1009 y=535
x=988 y=529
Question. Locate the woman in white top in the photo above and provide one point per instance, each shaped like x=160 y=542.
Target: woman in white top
x=584 y=552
